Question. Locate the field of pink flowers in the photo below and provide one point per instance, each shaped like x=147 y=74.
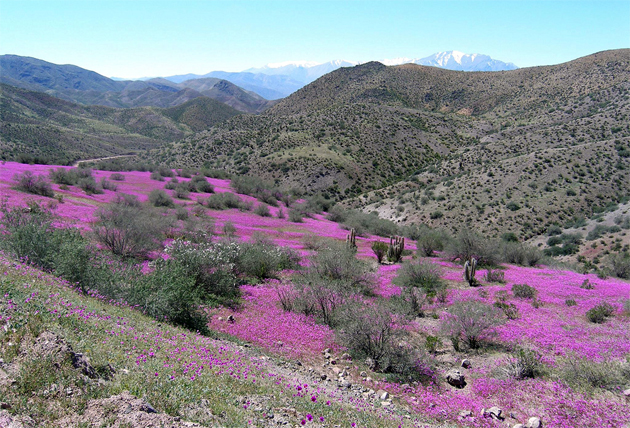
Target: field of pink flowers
x=552 y=327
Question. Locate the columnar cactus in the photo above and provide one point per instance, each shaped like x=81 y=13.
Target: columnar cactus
x=396 y=248
x=470 y=269
x=351 y=239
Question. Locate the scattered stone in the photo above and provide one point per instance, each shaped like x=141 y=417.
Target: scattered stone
x=279 y=343
x=383 y=395
x=346 y=356
x=4 y=406
x=326 y=351
x=627 y=392
x=333 y=361
x=534 y=422
x=518 y=426
x=324 y=377
x=370 y=363
x=456 y=379
x=495 y=413
x=465 y=414
x=386 y=403
x=231 y=319
x=466 y=363
x=364 y=374
x=81 y=362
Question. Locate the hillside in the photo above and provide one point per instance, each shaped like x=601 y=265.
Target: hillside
x=364 y=128
x=76 y=84
x=41 y=127
x=100 y=341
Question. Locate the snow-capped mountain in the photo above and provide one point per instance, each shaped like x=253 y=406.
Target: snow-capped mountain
x=455 y=60
x=301 y=71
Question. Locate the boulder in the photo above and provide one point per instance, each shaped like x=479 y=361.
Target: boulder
x=456 y=379
x=534 y=422
x=466 y=363
x=495 y=413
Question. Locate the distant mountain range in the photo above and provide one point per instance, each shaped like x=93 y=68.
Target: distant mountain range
x=279 y=80
x=76 y=84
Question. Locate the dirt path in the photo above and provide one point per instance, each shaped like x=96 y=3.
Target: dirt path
x=76 y=164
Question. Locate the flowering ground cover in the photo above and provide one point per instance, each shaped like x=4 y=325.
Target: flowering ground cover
x=176 y=360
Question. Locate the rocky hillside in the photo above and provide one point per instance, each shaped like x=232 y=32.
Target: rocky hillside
x=498 y=136
x=36 y=126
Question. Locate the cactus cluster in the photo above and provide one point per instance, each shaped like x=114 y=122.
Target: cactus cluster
x=351 y=239
x=470 y=269
x=396 y=248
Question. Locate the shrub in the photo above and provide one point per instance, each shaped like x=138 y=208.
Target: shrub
x=159 y=198
x=108 y=185
x=229 y=229
x=524 y=291
x=170 y=294
x=117 y=177
x=421 y=275
x=509 y=309
x=509 y=237
x=262 y=210
x=600 y=313
x=89 y=185
x=165 y=172
x=181 y=213
x=156 y=176
x=553 y=230
x=181 y=191
x=29 y=233
x=337 y=261
x=587 y=375
x=368 y=331
x=202 y=185
x=130 y=231
x=172 y=184
x=436 y=215
x=68 y=177
x=520 y=254
x=468 y=244
x=35 y=184
x=212 y=267
x=524 y=364
x=620 y=265
x=222 y=201
x=570 y=302
x=128 y=200
x=263 y=259
x=495 y=276
x=380 y=249
x=363 y=223
x=432 y=343
x=472 y=322
x=295 y=216
x=430 y=241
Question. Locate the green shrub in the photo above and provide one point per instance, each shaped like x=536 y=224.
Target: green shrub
x=89 y=185
x=436 y=215
x=554 y=230
x=336 y=261
x=433 y=343
x=368 y=332
x=117 y=177
x=156 y=176
x=169 y=294
x=202 y=185
x=600 y=313
x=422 y=275
x=222 y=201
x=295 y=216
x=159 y=198
x=429 y=241
x=525 y=364
x=35 y=184
x=263 y=259
x=468 y=244
x=587 y=375
x=570 y=302
x=509 y=309
x=229 y=229
x=380 y=249
x=620 y=265
x=262 y=210
x=108 y=185
x=130 y=231
x=524 y=291
x=165 y=172
x=69 y=177
x=363 y=223
x=472 y=322
x=495 y=276
x=520 y=254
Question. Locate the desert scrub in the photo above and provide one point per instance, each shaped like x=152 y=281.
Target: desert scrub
x=524 y=291
x=263 y=259
x=588 y=376
x=524 y=364
x=620 y=265
x=600 y=313
x=423 y=275
x=495 y=276
x=159 y=198
x=35 y=184
x=471 y=322
x=380 y=249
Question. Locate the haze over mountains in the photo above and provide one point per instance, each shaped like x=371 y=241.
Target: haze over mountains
x=279 y=80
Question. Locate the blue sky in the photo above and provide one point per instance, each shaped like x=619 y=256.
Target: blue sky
x=135 y=38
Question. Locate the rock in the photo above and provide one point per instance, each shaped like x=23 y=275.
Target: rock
x=336 y=370
x=368 y=379
x=370 y=363
x=346 y=356
x=495 y=413
x=534 y=422
x=466 y=363
x=386 y=403
x=280 y=343
x=456 y=378
x=363 y=374
x=326 y=351
x=231 y=319
x=4 y=406
x=323 y=376
x=333 y=361
x=519 y=426
x=465 y=413
x=382 y=395
x=81 y=362
x=627 y=392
